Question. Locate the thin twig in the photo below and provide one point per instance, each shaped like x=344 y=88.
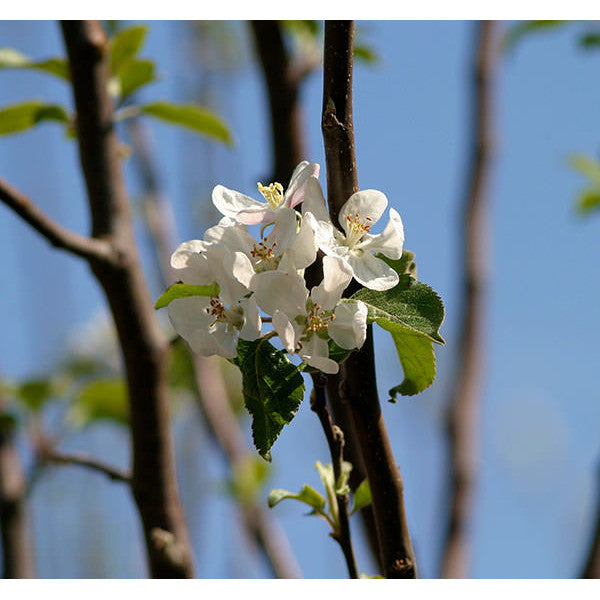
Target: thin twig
x=591 y=569
x=89 y=248
x=50 y=455
x=335 y=441
x=356 y=385
x=463 y=407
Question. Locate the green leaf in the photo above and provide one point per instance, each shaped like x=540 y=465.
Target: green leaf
x=307 y=495
x=413 y=313
x=362 y=496
x=19 y=117
x=365 y=54
x=586 y=166
x=132 y=75
x=589 y=200
x=590 y=41
x=405 y=265
x=191 y=116
x=125 y=45
x=273 y=389
x=102 y=399
x=417 y=358
x=411 y=304
x=248 y=478
x=13 y=59
x=184 y=290
x=525 y=28
x=34 y=393
x=8 y=423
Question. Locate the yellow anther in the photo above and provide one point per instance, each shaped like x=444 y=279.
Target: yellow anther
x=357 y=228
x=318 y=319
x=273 y=194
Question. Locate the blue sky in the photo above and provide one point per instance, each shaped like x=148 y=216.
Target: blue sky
x=540 y=409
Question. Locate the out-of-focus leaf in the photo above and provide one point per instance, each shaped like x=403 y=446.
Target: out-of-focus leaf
x=20 y=117
x=13 y=59
x=525 y=28
x=34 y=393
x=248 y=478
x=125 y=45
x=590 y=41
x=181 y=371
x=302 y=27
x=190 y=116
x=8 y=422
x=365 y=53
x=101 y=400
x=586 y=166
x=132 y=75
x=589 y=201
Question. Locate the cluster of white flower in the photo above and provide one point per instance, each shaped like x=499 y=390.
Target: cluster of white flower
x=267 y=275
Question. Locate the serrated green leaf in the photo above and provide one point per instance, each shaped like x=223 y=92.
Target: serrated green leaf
x=417 y=358
x=525 y=28
x=411 y=304
x=184 y=290
x=131 y=76
x=307 y=495
x=273 y=389
x=362 y=496
x=190 y=116
x=589 y=200
x=101 y=400
x=19 y=117
x=125 y=45
x=13 y=59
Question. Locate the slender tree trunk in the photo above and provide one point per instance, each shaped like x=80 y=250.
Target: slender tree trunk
x=17 y=554
x=145 y=350
x=355 y=385
x=463 y=408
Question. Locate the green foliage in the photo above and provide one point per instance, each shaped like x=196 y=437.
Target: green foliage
x=526 y=28
x=589 y=198
x=248 y=477
x=307 y=495
x=23 y=116
x=184 y=290
x=101 y=400
x=273 y=389
x=362 y=496
x=365 y=54
x=8 y=423
x=191 y=117
x=125 y=45
x=13 y=59
x=413 y=313
x=35 y=393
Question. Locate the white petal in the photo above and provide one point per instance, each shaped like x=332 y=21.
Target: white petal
x=336 y=277
x=285 y=330
x=225 y=339
x=314 y=202
x=315 y=352
x=232 y=271
x=368 y=204
x=296 y=189
x=284 y=231
x=190 y=263
x=303 y=251
x=232 y=234
x=328 y=238
x=230 y=203
x=372 y=272
x=252 y=321
x=349 y=329
x=189 y=314
x=280 y=290
x=390 y=241
x=256 y=216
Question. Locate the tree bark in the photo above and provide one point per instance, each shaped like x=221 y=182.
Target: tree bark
x=463 y=407
x=355 y=385
x=144 y=348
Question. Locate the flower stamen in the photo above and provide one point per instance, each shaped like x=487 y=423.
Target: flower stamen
x=273 y=194
x=357 y=228
x=318 y=319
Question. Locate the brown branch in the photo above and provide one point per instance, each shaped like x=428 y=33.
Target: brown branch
x=51 y=455
x=355 y=385
x=283 y=90
x=463 y=407
x=591 y=569
x=145 y=350
x=335 y=441
x=17 y=552
x=89 y=248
